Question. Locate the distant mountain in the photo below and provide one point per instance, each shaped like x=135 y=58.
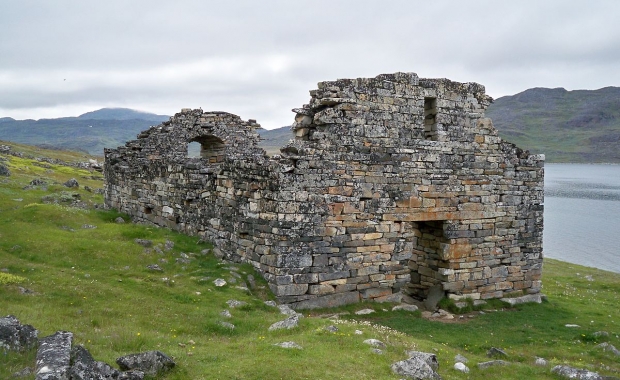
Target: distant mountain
x=274 y=139
x=122 y=114
x=567 y=126
x=90 y=132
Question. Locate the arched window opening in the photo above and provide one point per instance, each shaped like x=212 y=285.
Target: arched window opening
x=208 y=147
x=193 y=149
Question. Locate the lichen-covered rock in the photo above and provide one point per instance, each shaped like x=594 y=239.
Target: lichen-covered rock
x=4 y=170
x=609 y=348
x=419 y=366
x=287 y=324
x=84 y=367
x=568 y=372
x=492 y=363
x=72 y=183
x=151 y=362
x=289 y=345
x=375 y=343
x=17 y=337
x=54 y=356
x=459 y=366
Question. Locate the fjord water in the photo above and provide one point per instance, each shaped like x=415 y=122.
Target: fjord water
x=582 y=214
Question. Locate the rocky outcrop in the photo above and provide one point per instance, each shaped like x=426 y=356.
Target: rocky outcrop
x=54 y=357
x=17 y=337
x=151 y=362
x=58 y=359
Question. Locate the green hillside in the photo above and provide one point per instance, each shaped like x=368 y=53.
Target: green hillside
x=90 y=132
x=567 y=126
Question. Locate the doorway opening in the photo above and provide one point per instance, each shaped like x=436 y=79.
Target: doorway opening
x=426 y=258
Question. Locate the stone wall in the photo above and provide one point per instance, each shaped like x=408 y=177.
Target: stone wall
x=391 y=184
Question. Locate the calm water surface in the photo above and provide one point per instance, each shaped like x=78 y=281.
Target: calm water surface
x=582 y=214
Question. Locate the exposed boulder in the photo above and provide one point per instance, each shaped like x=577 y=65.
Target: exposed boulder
x=492 y=363
x=17 y=337
x=420 y=365
x=4 y=171
x=495 y=352
x=574 y=373
x=609 y=348
x=287 y=324
x=84 y=367
x=72 y=183
x=54 y=356
x=461 y=367
x=151 y=362
x=144 y=242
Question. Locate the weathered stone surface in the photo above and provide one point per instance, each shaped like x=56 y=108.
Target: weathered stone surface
x=54 y=357
x=375 y=343
x=491 y=363
x=84 y=367
x=286 y=310
x=17 y=337
x=609 y=348
x=72 y=183
x=496 y=352
x=4 y=170
x=420 y=365
x=226 y=314
x=227 y=325
x=528 y=298
x=151 y=362
x=574 y=373
x=435 y=294
x=331 y=300
x=392 y=184
x=405 y=307
x=144 y=242
x=541 y=362
x=289 y=345
x=235 y=303
x=155 y=267
x=461 y=367
x=331 y=328
x=287 y=324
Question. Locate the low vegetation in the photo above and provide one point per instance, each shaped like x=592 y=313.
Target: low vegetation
x=66 y=264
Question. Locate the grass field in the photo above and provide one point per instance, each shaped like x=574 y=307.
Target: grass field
x=95 y=283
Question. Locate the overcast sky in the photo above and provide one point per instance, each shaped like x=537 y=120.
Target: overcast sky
x=259 y=58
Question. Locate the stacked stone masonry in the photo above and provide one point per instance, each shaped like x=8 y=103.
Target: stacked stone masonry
x=393 y=183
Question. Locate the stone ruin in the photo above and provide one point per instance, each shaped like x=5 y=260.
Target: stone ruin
x=392 y=185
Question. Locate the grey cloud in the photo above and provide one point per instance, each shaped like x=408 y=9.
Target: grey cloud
x=257 y=57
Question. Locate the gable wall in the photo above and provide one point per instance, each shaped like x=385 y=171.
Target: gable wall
x=361 y=204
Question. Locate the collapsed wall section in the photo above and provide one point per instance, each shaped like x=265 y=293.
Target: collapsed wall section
x=391 y=184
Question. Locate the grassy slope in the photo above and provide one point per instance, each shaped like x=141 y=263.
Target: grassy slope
x=94 y=282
